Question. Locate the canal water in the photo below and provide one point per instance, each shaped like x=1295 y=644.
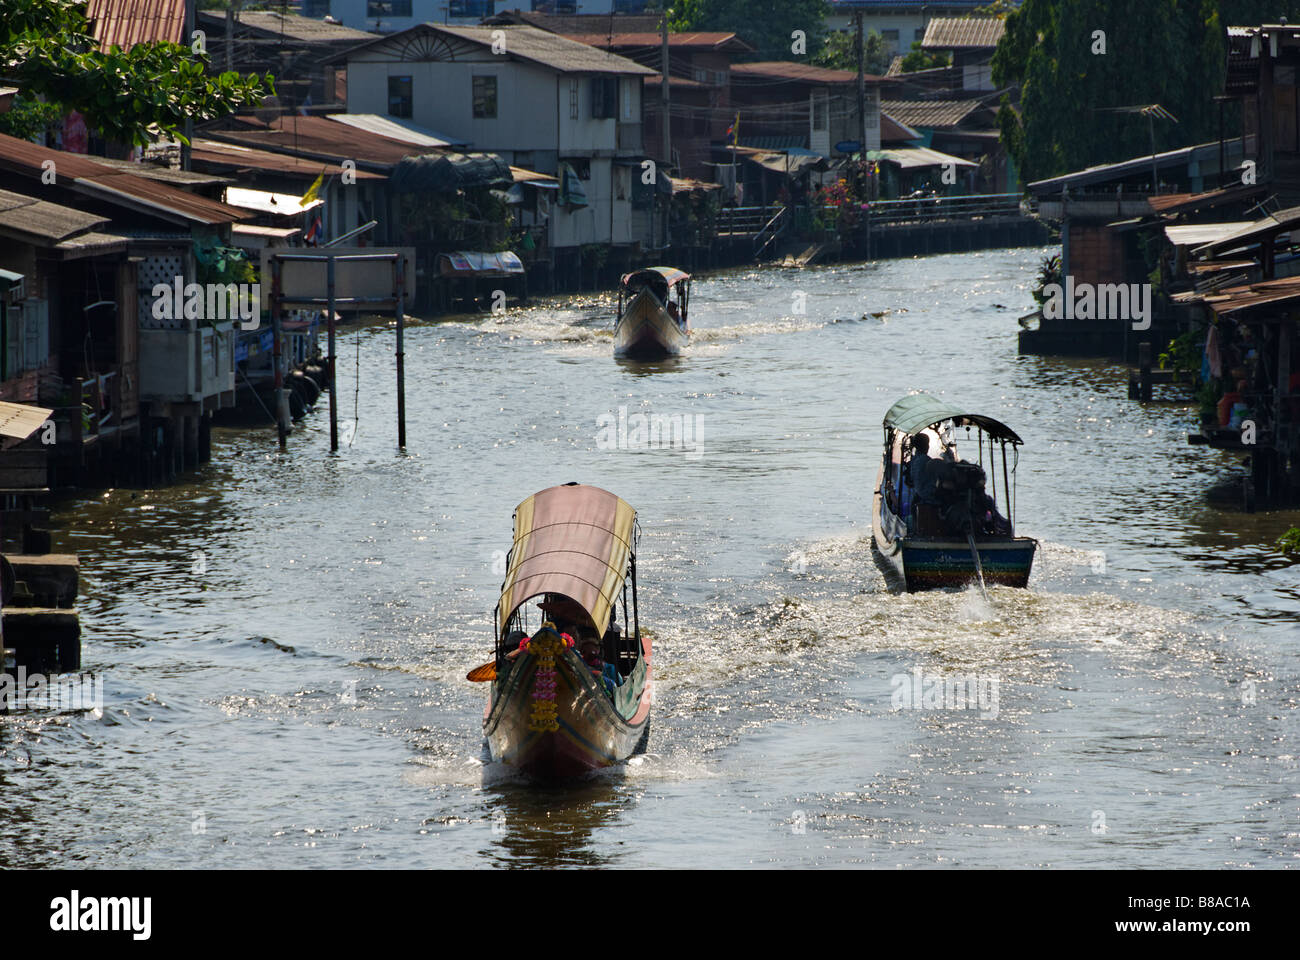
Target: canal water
x=283 y=639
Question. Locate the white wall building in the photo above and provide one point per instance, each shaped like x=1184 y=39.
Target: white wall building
x=537 y=98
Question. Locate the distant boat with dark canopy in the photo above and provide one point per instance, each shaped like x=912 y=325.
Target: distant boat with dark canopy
x=652 y=305
x=571 y=694
x=947 y=530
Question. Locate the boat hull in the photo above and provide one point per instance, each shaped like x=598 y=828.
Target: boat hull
x=589 y=731
x=646 y=331
x=928 y=563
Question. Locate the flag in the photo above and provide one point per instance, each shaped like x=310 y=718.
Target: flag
x=313 y=192
x=732 y=136
x=313 y=232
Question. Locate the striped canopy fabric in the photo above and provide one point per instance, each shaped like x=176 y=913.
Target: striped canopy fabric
x=574 y=541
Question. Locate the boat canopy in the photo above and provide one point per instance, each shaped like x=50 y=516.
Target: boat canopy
x=657 y=276
x=572 y=540
x=913 y=414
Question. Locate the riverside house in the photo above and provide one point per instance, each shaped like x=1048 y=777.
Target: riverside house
x=543 y=101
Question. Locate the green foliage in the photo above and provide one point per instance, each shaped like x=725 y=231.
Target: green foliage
x=1184 y=352
x=763 y=24
x=1207 y=401
x=27 y=119
x=1049 y=271
x=839 y=52
x=131 y=96
x=1169 y=52
x=1289 y=542
x=918 y=59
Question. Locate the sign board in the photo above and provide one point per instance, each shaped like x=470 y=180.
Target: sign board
x=847 y=146
x=302 y=281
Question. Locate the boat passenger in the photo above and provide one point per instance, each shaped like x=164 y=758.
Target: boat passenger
x=922 y=480
x=673 y=312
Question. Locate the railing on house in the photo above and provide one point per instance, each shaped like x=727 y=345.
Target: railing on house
x=926 y=209
x=770 y=232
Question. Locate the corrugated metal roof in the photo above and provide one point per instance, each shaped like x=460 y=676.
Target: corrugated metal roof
x=1107 y=172
x=549 y=50
x=321 y=139
x=715 y=40
x=110 y=185
x=798 y=72
x=930 y=113
x=152 y=171
x=1196 y=234
x=277 y=204
x=50 y=222
x=237 y=157
x=963 y=33
x=892 y=131
x=916 y=157
x=530 y=44
x=124 y=23
x=1270 y=226
x=396 y=129
x=292 y=27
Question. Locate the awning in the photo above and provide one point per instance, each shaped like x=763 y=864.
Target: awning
x=916 y=157
x=20 y=421
x=913 y=414
x=574 y=541
x=1196 y=234
x=1265 y=228
x=789 y=163
x=543 y=181
x=467 y=263
x=278 y=204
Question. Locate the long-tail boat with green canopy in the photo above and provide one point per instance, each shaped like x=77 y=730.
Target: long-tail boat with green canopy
x=571 y=691
x=652 y=314
x=933 y=519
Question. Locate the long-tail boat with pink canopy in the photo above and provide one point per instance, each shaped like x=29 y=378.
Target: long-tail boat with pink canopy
x=570 y=682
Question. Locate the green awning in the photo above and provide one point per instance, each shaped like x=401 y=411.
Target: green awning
x=919 y=411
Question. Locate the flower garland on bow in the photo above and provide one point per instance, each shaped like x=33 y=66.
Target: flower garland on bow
x=544 y=645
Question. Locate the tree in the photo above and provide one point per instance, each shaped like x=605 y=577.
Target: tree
x=840 y=52
x=766 y=25
x=1076 y=61
x=131 y=96
x=918 y=59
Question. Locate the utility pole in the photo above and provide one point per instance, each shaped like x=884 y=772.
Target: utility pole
x=666 y=92
x=862 y=89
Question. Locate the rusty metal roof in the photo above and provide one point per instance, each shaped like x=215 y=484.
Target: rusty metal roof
x=84 y=175
x=963 y=33
x=716 y=40
x=322 y=139
x=752 y=73
x=238 y=157
x=124 y=23
x=291 y=27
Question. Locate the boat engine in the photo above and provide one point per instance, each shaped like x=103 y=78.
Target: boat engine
x=955 y=483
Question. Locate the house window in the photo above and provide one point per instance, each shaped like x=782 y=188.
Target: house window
x=627 y=100
x=316 y=9
x=918 y=33
x=485 y=98
x=581 y=166
x=469 y=8
x=384 y=9
x=891 y=40
x=399 y=97
x=820 y=111
x=573 y=99
x=604 y=98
